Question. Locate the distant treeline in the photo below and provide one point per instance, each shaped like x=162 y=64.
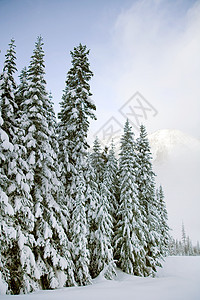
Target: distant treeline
x=184 y=246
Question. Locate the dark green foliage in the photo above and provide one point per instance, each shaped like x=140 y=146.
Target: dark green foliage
x=76 y=109
x=7 y=88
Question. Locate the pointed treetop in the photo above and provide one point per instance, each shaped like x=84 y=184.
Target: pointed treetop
x=9 y=64
x=36 y=67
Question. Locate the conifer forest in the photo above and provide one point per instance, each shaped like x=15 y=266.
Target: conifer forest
x=69 y=212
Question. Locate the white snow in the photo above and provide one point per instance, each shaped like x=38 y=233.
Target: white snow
x=3 y=284
x=178 y=280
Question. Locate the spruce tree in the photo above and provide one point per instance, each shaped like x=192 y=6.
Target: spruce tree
x=7 y=228
x=76 y=109
x=54 y=265
x=78 y=234
x=149 y=205
x=163 y=225
x=183 y=240
x=129 y=236
x=22 y=89
x=111 y=173
x=92 y=198
x=7 y=91
x=103 y=250
x=98 y=162
x=17 y=190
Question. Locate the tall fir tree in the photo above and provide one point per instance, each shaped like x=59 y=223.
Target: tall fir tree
x=98 y=162
x=78 y=233
x=145 y=180
x=163 y=222
x=76 y=109
x=129 y=236
x=103 y=250
x=183 y=239
x=111 y=173
x=17 y=189
x=99 y=210
x=22 y=89
x=7 y=92
x=54 y=266
x=92 y=198
x=7 y=228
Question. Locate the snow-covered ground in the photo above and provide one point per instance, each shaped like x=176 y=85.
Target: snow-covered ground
x=179 y=279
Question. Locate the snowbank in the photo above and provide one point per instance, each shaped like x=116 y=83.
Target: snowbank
x=179 y=279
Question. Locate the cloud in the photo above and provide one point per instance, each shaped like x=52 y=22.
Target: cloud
x=156 y=46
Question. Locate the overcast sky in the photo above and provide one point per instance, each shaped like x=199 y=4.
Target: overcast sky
x=146 y=46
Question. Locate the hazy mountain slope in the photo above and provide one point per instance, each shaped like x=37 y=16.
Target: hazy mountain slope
x=177 y=165
x=165 y=143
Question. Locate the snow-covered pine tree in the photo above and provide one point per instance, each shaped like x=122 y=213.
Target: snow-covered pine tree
x=100 y=221
x=76 y=109
x=7 y=90
x=22 y=89
x=92 y=198
x=183 y=240
x=17 y=190
x=7 y=228
x=53 y=140
x=98 y=162
x=94 y=177
x=102 y=256
x=129 y=237
x=54 y=266
x=189 y=247
x=172 y=246
x=111 y=173
x=78 y=233
x=163 y=225
x=197 y=249
x=145 y=179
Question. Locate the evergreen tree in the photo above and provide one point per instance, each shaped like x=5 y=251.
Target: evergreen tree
x=54 y=265
x=7 y=228
x=92 y=198
x=17 y=189
x=183 y=239
x=129 y=238
x=94 y=177
x=7 y=90
x=149 y=205
x=197 y=249
x=189 y=247
x=21 y=90
x=78 y=234
x=111 y=173
x=103 y=251
x=76 y=109
x=100 y=222
x=172 y=246
x=163 y=225
x=97 y=162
